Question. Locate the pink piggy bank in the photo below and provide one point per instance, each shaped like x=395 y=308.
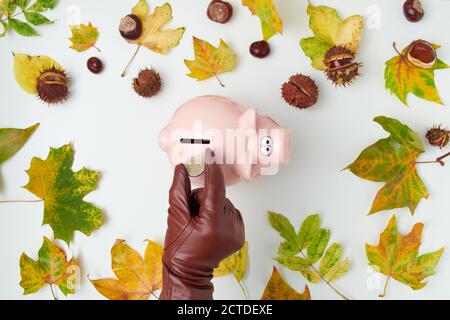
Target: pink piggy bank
x=246 y=144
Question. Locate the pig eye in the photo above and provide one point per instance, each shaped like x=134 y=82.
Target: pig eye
x=266 y=146
x=266 y=150
x=266 y=141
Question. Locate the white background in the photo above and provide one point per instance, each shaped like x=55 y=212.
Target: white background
x=115 y=131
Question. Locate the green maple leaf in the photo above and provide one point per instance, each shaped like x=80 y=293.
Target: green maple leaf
x=393 y=160
x=402 y=78
x=398 y=257
x=51 y=268
x=63 y=190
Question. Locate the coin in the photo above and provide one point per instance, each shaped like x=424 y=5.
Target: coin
x=194 y=167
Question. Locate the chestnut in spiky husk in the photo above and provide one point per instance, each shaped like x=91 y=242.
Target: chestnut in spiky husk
x=300 y=91
x=148 y=83
x=422 y=54
x=341 y=65
x=130 y=27
x=438 y=136
x=52 y=86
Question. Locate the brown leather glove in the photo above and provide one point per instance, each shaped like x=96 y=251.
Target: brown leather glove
x=203 y=229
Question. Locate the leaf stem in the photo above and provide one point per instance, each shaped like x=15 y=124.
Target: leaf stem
x=97 y=48
x=153 y=294
x=14 y=15
x=328 y=283
x=394 y=45
x=220 y=82
x=21 y=201
x=244 y=289
x=439 y=160
x=53 y=292
x=385 y=288
x=124 y=73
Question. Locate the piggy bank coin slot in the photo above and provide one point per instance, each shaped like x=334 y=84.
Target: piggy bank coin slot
x=266 y=146
x=195 y=167
x=194 y=141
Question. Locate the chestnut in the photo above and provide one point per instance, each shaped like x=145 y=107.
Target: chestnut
x=413 y=10
x=220 y=11
x=130 y=27
x=421 y=54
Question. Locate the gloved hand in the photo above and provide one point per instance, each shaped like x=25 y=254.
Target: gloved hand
x=203 y=228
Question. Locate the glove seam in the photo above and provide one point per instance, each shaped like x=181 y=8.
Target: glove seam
x=187 y=231
x=179 y=234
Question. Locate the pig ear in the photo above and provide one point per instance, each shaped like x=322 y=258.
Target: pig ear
x=164 y=139
x=247 y=122
x=248 y=119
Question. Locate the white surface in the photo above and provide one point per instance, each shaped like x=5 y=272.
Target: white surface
x=115 y=131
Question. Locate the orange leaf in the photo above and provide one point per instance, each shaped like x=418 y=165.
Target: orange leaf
x=278 y=289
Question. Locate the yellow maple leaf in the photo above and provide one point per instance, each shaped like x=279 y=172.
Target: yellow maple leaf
x=137 y=277
x=210 y=61
x=152 y=37
x=83 y=37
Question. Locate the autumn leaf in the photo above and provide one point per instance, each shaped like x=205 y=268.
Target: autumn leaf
x=278 y=289
x=393 y=160
x=137 y=277
x=152 y=37
x=316 y=50
x=62 y=191
x=402 y=78
x=329 y=31
x=12 y=140
x=396 y=256
x=83 y=37
x=210 y=61
x=314 y=240
x=266 y=11
x=235 y=264
x=51 y=268
x=27 y=70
